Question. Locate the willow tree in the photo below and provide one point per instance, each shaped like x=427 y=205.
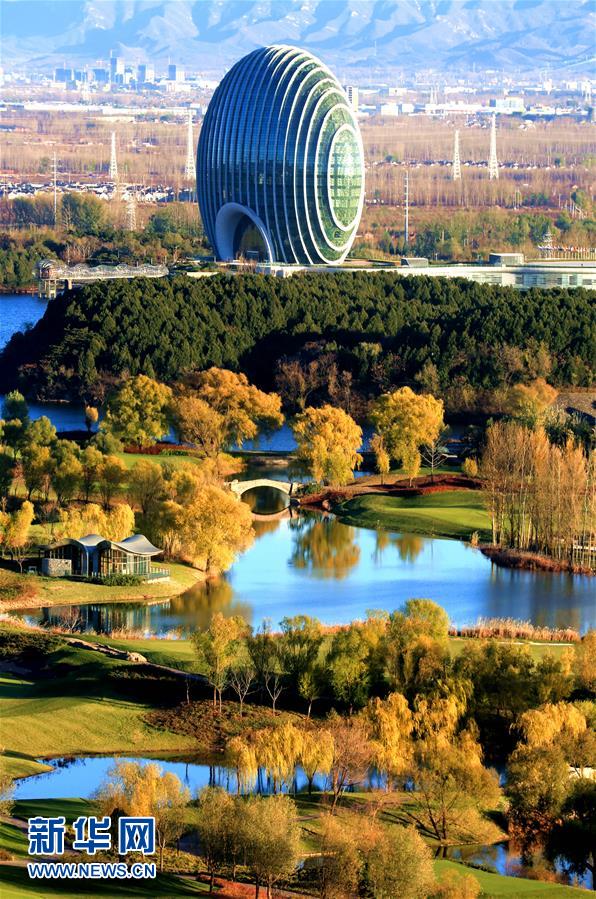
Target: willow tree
x=147 y=790
x=218 y=408
x=328 y=440
x=404 y=422
x=541 y=496
x=139 y=411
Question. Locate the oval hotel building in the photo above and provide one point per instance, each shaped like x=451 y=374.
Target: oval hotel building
x=280 y=164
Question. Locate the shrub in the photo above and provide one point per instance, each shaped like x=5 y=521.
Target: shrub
x=470 y=467
x=122 y=580
x=454 y=885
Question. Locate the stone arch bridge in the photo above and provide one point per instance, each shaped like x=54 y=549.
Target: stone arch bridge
x=291 y=488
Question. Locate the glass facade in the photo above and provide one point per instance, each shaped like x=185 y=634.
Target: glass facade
x=280 y=165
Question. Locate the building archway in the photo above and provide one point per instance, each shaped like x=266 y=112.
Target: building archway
x=239 y=232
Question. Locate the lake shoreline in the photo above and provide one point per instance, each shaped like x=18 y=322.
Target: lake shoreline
x=51 y=592
x=529 y=561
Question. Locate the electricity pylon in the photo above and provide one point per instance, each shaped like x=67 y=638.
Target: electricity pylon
x=493 y=164
x=55 y=173
x=189 y=167
x=113 y=161
x=131 y=212
x=407 y=210
x=456 y=174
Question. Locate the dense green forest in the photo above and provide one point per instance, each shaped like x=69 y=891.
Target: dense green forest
x=377 y=330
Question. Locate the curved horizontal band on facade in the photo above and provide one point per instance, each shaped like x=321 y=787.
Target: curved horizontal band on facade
x=280 y=147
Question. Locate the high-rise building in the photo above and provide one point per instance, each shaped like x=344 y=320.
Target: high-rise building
x=145 y=73
x=280 y=163
x=100 y=75
x=63 y=74
x=175 y=73
x=116 y=69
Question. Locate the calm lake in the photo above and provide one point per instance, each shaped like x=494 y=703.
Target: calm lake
x=315 y=565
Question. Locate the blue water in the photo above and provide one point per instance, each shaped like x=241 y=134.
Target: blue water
x=18 y=312
x=82 y=775
x=318 y=566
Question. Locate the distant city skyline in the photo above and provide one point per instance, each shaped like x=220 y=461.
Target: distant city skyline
x=357 y=37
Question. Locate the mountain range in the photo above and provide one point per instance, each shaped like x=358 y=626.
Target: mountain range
x=378 y=35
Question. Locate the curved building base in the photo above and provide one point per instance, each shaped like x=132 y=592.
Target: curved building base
x=240 y=232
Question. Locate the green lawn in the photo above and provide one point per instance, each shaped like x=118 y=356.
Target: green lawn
x=15 y=884
x=496 y=885
x=173 y=653
x=451 y=513
x=80 y=709
x=52 y=591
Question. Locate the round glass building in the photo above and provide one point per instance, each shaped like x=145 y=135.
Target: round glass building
x=280 y=165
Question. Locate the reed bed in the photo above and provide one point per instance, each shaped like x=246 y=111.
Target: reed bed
x=511 y=629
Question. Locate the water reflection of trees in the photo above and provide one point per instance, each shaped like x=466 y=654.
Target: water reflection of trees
x=197 y=606
x=409 y=546
x=324 y=547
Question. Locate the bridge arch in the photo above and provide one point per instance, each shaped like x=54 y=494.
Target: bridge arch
x=241 y=487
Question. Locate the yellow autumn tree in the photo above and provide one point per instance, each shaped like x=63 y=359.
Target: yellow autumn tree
x=213 y=528
x=391 y=732
x=406 y=421
x=230 y=411
x=316 y=753
x=147 y=790
x=328 y=440
x=530 y=401
x=139 y=411
x=16 y=526
x=115 y=524
x=242 y=757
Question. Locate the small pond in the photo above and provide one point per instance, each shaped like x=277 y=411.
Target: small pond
x=81 y=776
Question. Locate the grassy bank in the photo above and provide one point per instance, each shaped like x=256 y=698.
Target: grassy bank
x=72 y=701
x=451 y=513
x=48 y=591
x=15 y=884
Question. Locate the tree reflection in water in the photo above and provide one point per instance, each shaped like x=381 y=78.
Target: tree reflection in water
x=197 y=606
x=323 y=547
x=409 y=546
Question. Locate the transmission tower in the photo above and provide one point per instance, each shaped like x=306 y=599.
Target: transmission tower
x=113 y=162
x=493 y=165
x=547 y=244
x=407 y=210
x=55 y=171
x=131 y=212
x=456 y=160
x=189 y=167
